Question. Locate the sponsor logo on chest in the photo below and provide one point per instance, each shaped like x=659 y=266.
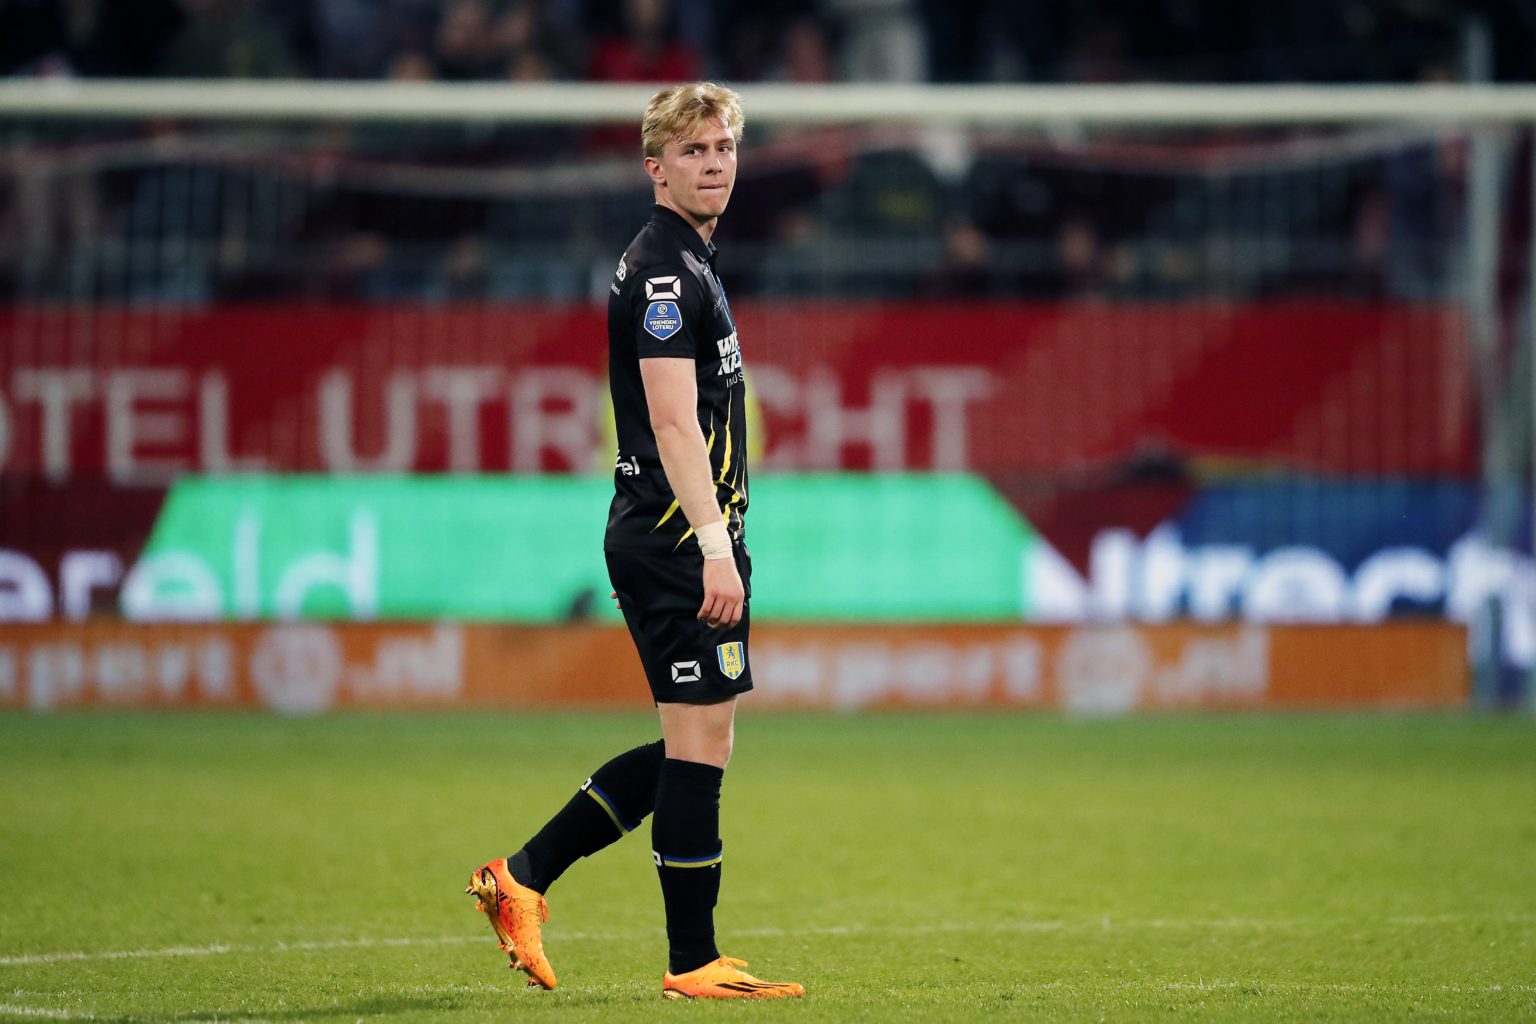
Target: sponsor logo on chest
x=730 y=354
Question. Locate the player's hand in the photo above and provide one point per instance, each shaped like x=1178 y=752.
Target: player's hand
x=724 y=595
x=614 y=595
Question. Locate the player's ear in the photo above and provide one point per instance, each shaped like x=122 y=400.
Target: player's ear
x=653 y=168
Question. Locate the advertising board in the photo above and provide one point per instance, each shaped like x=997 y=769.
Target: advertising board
x=310 y=667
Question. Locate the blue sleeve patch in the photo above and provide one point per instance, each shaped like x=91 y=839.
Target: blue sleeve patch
x=663 y=319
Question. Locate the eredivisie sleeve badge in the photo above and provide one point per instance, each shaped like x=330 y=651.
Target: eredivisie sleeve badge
x=663 y=319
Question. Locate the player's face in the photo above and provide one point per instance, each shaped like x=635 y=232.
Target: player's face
x=698 y=172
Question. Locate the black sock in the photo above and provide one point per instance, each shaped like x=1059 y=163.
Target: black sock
x=685 y=838
x=612 y=803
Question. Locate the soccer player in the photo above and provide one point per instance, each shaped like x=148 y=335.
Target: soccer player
x=679 y=569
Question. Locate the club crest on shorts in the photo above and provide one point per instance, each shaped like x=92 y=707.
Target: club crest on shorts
x=733 y=660
x=663 y=319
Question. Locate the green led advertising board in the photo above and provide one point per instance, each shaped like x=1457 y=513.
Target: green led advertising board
x=841 y=546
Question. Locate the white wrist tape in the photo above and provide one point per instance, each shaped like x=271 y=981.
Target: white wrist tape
x=714 y=540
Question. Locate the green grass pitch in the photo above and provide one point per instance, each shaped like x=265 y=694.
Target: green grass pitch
x=186 y=867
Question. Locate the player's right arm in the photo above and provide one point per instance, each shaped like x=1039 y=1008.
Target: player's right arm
x=671 y=394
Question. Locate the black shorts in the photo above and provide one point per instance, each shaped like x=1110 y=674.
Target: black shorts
x=685 y=661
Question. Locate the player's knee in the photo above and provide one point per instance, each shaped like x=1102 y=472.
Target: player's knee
x=709 y=748
x=704 y=741
x=699 y=732
x=720 y=748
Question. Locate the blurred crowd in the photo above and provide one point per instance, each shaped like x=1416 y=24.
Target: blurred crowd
x=407 y=213
x=202 y=218
x=788 y=40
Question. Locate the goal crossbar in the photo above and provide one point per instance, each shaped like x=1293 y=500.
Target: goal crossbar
x=1040 y=105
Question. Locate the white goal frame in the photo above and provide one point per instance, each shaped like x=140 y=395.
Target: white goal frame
x=1164 y=105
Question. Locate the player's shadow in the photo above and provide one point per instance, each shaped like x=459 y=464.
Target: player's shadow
x=384 y=1006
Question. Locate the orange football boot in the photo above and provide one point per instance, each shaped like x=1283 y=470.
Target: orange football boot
x=724 y=979
x=515 y=912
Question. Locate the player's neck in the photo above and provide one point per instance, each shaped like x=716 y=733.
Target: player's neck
x=705 y=228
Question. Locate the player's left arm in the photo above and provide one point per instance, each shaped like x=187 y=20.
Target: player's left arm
x=671 y=392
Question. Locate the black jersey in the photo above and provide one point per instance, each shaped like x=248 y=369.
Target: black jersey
x=666 y=301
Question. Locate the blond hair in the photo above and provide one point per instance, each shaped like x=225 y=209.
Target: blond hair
x=677 y=110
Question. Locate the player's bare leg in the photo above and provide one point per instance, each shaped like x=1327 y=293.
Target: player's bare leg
x=703 y=733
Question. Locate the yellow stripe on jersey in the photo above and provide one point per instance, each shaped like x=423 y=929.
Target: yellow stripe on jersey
x=725 y=458
x=733 y=500
x=671 y=510
x=737 y=497
x=725 y=467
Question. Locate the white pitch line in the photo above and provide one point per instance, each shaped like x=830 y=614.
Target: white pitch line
x=46 y=1013
x=43 y=1013
x=1261 y=985
x=220 y=948
x=1335 y=986
x=953 y=927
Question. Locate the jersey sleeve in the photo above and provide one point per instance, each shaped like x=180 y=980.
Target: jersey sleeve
x=667 y=308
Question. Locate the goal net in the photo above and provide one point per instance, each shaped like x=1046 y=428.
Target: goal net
x=1041 y=355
